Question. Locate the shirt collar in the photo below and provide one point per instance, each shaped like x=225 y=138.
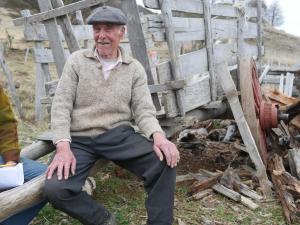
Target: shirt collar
x=126 y=59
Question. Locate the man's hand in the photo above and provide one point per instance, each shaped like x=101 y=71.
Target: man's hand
x=63 y=161
x=162 y=146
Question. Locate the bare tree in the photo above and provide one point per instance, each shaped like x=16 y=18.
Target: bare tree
x=274 y=14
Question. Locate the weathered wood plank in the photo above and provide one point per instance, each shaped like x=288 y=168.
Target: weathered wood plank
x=187 y=29
x=53 y=34
x=190 y=61
x=231 y=93
x=175 y=65
x=259 y=35
x=198 y=94
x=137 y=42
x=45 y=55
x=80 y=21
x=53 y=13
x=42 y=74
x=193 y=6
x=210 y=48
x=66 y=27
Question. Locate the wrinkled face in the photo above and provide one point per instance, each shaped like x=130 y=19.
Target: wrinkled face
x=107 y=38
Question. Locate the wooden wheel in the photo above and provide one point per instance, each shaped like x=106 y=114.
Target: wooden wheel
x=259 y=114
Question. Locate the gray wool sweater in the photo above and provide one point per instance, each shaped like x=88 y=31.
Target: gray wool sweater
x=85 y=104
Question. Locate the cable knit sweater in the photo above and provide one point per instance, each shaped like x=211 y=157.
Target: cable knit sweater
x=85 y=104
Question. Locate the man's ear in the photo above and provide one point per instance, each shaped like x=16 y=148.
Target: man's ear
x=123 y=31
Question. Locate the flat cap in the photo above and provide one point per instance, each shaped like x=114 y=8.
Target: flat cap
x=107 y=14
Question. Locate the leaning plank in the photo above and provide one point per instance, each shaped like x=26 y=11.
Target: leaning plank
x=231 y=93
x=193 y=6
x=66 y=26
x=53 y=13
x=53 y=34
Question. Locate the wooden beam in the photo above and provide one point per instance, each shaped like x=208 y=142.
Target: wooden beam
x=42 y=73
x=53 y=13
x=137 y=42
x=173 y=50
x=192 y=6
x=37 y=149
x=232 y=96
x=53 y=34
x=209 y=48
x=66 y=26
x=259 y=35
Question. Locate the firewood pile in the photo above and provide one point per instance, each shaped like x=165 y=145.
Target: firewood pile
x=215 y=159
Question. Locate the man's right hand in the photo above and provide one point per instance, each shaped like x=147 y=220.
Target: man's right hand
x=63 y=161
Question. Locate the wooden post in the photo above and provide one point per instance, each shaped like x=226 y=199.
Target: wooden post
x=173 y=50
x=54 y=38
x=42 y=74
x=137 y=42
x=80 y=21
x=66 y=27
x=11 y=84
x=240 y=43
x=229 y=88
x=209 y=48
x=259 y=34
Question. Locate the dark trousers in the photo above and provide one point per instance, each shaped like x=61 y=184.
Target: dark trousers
x=129 y=150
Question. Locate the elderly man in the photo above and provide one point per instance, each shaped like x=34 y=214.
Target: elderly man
x=10 y=155
x=99 y=94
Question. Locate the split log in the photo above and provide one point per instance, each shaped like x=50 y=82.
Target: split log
x=287 y=188
x=231 y=179
x=202 y=184
x=201 y=194
x=37 y=149
x=227 y=192
x=294 y=162
x=30 y=193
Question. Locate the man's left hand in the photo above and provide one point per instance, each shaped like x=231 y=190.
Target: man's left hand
x=163 y=147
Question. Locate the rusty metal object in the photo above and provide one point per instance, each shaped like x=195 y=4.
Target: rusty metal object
x=268 y=115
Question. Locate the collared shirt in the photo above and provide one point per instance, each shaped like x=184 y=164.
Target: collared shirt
x=108 y=64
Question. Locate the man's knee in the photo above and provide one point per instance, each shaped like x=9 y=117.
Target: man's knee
x=56 y=192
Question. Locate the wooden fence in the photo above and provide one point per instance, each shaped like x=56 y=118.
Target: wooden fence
x=186 y=81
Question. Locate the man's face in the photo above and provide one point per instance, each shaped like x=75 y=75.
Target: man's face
x=107 y=38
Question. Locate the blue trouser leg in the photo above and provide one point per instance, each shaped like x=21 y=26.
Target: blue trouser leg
x=31 y=169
